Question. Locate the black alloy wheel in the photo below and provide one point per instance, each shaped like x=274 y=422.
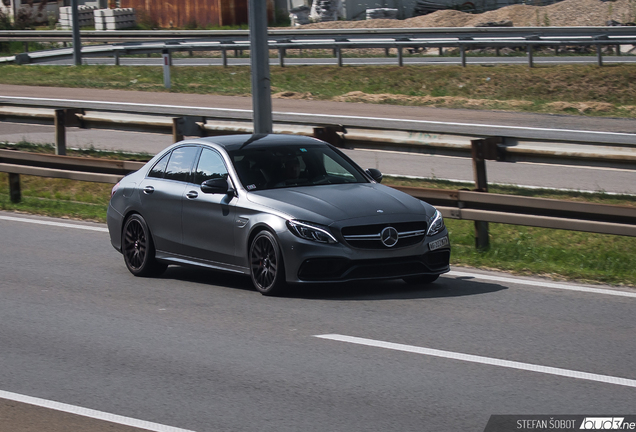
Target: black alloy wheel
x=266 y=264
x=138 y=248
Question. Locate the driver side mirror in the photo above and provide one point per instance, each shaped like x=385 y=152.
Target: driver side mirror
x=216 y=186
x=375 y=174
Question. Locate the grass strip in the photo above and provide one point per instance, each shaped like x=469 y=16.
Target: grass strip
x=564 y=89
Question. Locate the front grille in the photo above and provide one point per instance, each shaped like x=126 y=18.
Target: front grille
x=339 y=269
x=370 y=236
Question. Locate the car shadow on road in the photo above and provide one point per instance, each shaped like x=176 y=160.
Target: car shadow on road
x=445 y=286
x=396 y=290
x=208 y=277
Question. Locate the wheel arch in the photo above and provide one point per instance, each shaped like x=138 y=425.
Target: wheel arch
x=130 y=214
x=258 y=228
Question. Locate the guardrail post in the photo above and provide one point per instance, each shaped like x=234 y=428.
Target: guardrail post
x=116 y=56
x=60 y=132
x=535 y=37
x=177 y=132
x=482 y=150
x=281 y=57
x=479 y=149
x=187 y=126
x=339 y=56
x=599 y=48
x=224 y=57
x=330 y=134
x=462 y=52
x=400 y=57
x=15 y=193
x=166 y=68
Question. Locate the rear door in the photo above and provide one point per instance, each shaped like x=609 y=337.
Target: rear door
x=161 y=195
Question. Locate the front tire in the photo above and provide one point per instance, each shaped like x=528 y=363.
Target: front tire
x=266 y=264
x=139 y=249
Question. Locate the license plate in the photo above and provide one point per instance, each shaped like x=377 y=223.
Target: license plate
x=438 y=243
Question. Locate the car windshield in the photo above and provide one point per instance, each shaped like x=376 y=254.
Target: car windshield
x=271 y=167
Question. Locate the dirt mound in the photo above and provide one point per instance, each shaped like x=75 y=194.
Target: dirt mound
x=582 y=107
x=561 y=14
x=292 y=95
x=435 y=101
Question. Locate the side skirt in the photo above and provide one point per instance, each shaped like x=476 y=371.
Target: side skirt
x=170 y=258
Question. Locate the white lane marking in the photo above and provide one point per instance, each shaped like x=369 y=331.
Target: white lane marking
x=86 y=412
x=51 y=223
x=542 y=284
x=607 y=379
x=295 y=114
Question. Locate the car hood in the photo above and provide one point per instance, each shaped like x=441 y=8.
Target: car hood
x=331 y=203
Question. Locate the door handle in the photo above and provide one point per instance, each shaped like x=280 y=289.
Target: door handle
x=192 y=194
x=148 y=190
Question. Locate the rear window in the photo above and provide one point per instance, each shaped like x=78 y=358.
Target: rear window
x=180 y=163
x=159 y=170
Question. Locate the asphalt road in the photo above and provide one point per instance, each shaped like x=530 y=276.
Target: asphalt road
x=199 y=350
x=533 y=175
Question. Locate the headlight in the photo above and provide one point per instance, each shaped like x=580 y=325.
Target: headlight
x=437 y=224
x=309 y=231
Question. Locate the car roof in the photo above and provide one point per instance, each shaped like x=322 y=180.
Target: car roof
x=236 y=142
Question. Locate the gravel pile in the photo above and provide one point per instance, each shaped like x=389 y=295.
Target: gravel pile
x=562 y=14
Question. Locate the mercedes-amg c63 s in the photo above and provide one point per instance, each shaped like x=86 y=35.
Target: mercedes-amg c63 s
x=283 y=209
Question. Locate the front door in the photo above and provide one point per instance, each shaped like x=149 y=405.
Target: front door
x=208 y=219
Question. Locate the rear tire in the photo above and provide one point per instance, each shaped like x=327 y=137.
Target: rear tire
x=139 y=249
x=420 y=280
x=266 y=264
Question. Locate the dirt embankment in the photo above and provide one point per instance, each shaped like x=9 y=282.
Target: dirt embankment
x=561 y=14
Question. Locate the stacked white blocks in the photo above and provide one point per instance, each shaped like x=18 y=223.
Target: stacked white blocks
x=115 y=19
x=85 y=16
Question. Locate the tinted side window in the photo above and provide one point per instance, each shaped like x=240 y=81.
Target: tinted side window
x=210 y=166
x=160 y=167
x=180 y=163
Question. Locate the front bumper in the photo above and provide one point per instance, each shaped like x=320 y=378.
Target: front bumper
x=310 y=262
x=114 y=221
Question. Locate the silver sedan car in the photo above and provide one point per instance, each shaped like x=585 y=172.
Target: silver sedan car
x=283 y=209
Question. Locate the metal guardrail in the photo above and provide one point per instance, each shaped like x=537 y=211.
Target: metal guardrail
x=513 y=147
x=527 y=211
x=138 y=42
x=454 y=204
x=175 y=120
x=302 y=34
x=74 y=168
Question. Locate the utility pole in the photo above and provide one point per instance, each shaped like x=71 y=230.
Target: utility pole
x=77 y=44
x=259 y=62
